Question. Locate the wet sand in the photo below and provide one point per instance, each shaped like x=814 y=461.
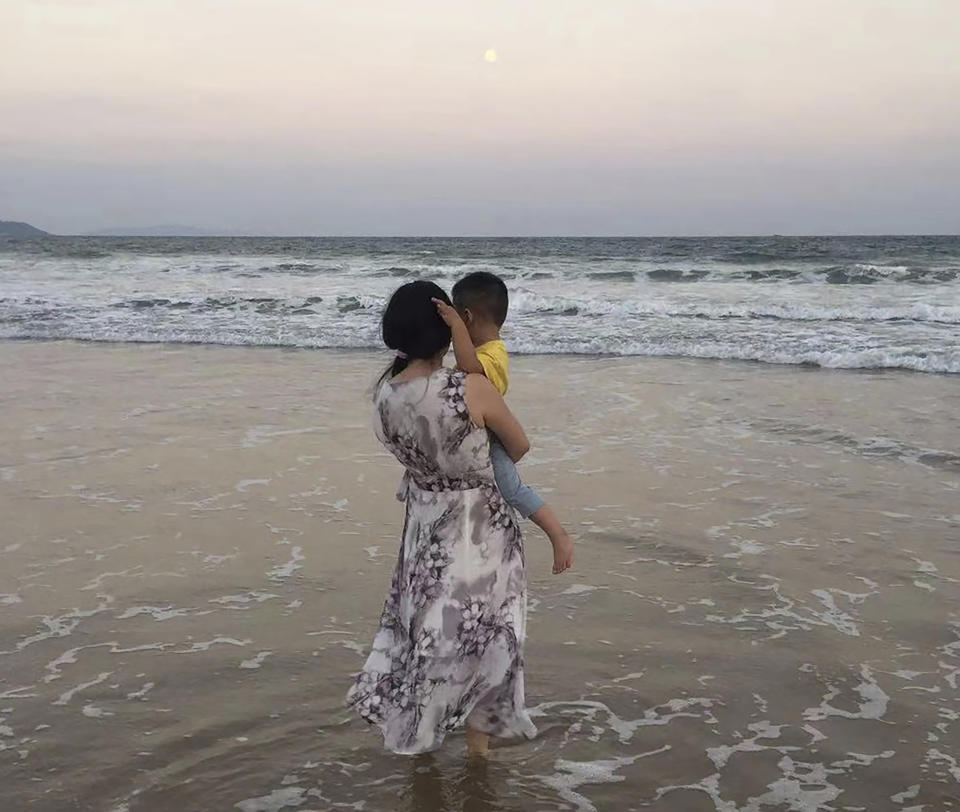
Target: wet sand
x=196 y=543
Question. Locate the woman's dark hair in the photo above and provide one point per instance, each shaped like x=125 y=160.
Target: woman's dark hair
x=412 y=326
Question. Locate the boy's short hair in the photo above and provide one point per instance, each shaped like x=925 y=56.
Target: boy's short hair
x=484 y=293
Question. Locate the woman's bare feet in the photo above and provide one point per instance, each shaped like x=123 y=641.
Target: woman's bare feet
x=478 y=743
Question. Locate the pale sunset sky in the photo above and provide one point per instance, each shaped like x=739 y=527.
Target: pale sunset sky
x=443 y=117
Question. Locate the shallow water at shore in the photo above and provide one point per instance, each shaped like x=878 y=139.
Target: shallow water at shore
x=197 y=542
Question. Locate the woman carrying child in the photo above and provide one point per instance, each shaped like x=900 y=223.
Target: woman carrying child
x=449 y=649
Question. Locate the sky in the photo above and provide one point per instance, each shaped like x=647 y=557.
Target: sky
x=500 y=117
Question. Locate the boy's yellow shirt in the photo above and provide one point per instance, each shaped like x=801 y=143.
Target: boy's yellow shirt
x=495 y=360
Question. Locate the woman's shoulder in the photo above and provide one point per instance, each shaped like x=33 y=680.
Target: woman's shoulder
x=451 y=380
x=466 y=381
x=479 y=394
x=469 y=395
x=478 y=382
x=451 y=377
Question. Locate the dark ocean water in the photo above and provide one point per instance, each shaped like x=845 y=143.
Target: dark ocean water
x=850 y=302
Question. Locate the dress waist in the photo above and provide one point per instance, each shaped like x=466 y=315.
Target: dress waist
x=438 y=484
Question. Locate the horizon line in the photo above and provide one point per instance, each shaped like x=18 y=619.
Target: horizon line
x=411 y=236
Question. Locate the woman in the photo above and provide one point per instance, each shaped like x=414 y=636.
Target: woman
x=449 y=651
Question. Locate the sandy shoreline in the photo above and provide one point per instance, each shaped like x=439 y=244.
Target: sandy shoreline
x=197 y=540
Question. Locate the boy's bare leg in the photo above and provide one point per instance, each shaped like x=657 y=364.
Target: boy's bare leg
x=478 y=743
x=559 y=538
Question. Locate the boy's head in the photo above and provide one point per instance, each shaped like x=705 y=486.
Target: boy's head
x=482 y=300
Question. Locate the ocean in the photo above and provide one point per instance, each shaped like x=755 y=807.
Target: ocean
x=841 y=302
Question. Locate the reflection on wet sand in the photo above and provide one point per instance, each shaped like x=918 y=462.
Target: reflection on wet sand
x=468 y=786
x=197 y=541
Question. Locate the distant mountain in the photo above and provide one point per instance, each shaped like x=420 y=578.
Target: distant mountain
x=12 y=228
x=153 y=231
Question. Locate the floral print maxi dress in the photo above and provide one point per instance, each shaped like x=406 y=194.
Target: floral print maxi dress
x=449 y=649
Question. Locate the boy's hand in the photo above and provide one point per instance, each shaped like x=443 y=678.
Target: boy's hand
x=447 y=313
x=463 y=348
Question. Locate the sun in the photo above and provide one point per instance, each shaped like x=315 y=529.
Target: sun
x=490 y=55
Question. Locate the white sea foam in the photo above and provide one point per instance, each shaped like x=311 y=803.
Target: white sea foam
x=578 y=589
x=243 y=484
x=63 y=625
x=721 y=754
x=573 y=774
x=526 y=303
x=283 y=571
x=276 y=800
x=254 y=596
x=66 y=696
x=686 y=708
x=872 y=704
x=142 y=693
x=565 y=298
x=206 y=645
x=257 y=661
x=158 y=612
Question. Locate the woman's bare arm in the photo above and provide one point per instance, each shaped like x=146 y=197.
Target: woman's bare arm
x=487 y=408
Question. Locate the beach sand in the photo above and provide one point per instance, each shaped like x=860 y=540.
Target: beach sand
x=197 y=541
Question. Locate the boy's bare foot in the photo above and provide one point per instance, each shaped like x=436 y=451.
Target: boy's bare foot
x=559 y=538
x=562 y=553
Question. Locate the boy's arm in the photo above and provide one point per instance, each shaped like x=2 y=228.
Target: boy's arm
x=463 y=348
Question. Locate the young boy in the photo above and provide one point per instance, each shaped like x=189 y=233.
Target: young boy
x=479 y=310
